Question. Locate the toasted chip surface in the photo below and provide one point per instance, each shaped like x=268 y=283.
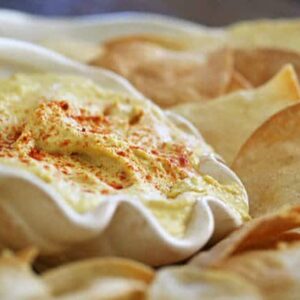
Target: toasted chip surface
x=106 y=278
x=80 y=275
x=191 y=283
x=264 y=252
x=94 y=279
x=275 y=272
x=269 y=161
x=260 y=64
x=163 y=41
x=17 y=280
x=166 y=76
x=228 y=121
x=109 y=289
x=260 y=233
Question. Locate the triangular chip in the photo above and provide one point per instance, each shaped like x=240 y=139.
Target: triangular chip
x=187 y=282
x=228 y=121
x=166 y=76
x=276 y=273
x=260 y=233
x=269 y=163
x=260 y=64
x=108 y=289
x=106 y=278
x=17 y=280
x=263 y=256
x=264 y=252
x=93 y=279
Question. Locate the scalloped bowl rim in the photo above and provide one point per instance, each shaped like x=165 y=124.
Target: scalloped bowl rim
x=87 y=223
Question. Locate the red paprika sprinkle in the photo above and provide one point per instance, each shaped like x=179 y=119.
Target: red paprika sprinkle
x=122 y=175
x=65 y=143
x=116 y=186
x=183 y=161
x=36 y=154
x=121 y=153
x=105 y=192
x=64 y=105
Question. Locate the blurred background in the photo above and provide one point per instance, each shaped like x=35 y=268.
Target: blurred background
x=210 y=12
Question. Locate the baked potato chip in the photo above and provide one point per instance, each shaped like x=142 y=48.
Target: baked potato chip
x=228 y=121
x=259 y=65
x=280 y=34
x=261 y=233
x=166 y=76
x=107 y=278
x=17 y=280
x=268 y=163
x=187 y=282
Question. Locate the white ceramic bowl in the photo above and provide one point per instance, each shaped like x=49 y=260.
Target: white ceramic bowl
x=31 y=212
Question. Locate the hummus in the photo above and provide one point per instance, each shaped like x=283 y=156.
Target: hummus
x=89 y=145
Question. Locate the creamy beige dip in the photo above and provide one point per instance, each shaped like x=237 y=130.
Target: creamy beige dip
x=89 y=144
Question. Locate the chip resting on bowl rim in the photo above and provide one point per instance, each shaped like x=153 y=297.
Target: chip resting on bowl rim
x=152 y=189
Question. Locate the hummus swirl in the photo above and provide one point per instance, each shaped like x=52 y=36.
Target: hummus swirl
x=90 y=145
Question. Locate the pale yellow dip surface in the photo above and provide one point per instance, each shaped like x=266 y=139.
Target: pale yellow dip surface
x=89 y=144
